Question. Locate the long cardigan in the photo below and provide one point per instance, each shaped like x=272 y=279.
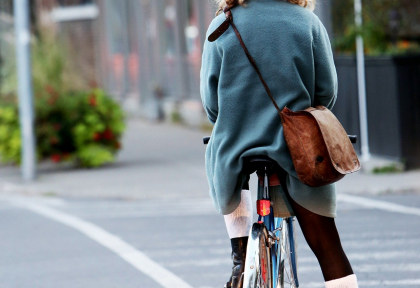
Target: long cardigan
x=292 y=50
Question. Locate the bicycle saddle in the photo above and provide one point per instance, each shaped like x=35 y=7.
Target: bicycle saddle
x=259 y=163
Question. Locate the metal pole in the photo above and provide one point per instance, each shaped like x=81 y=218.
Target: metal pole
x=361 y=84
x=183 y=78
x=26 y=114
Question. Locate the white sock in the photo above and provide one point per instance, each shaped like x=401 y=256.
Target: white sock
x=346 y=282
x=238 y=223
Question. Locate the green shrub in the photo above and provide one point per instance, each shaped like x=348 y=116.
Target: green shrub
x=392 y=168
x=9 y=134
x=84 y=126
x=72 y=122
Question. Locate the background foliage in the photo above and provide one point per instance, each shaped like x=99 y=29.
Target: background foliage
x=73 y=121
x=390 y=26
x=82 y=126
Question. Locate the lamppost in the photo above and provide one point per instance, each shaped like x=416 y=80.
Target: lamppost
x=361 y=80
x=26 y=113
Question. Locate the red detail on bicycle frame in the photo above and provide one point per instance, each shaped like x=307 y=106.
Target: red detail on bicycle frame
x=263 y=207
x=263 y=270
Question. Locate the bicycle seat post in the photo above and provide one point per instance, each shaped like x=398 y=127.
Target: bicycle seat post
x=266 y=185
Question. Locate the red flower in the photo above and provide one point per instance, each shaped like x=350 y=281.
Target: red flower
x=50 y=89
x=56 y=158
x=56 y=126
x=92 y=100
x=54 y=140
x=52 y=100
x=53 y=93
x=107 y=134
x=96 y=136
x=405 y=44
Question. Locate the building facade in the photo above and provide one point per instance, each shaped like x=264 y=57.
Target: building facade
x=140 y=51
x=149 y=49
x=146 y=53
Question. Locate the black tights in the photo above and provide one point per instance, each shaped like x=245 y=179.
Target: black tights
x=322 y=237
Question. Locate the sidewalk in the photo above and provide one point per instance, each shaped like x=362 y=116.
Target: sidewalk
x=164 y=161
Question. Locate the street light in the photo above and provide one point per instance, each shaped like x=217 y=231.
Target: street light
x=26 y=114
x=361 y=84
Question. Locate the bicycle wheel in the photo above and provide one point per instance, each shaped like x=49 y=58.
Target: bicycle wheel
x=258 y=264
x=287 y=256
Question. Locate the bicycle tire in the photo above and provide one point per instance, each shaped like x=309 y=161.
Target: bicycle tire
x=288 y=261
x=258 y=264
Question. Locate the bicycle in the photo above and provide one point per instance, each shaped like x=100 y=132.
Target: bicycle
x=271 y=257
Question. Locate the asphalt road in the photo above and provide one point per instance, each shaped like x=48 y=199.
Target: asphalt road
x=147 y=221
x=187 y=238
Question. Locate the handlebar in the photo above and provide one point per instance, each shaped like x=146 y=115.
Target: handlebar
x=353 y=139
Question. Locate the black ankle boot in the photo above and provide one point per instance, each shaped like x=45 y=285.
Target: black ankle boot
x=238 y=256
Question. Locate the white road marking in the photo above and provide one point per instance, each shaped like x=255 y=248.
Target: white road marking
x=402 y=283
x=127 y=252
x=383 y=205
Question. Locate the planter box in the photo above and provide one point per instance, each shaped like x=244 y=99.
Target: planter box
x=393 y=104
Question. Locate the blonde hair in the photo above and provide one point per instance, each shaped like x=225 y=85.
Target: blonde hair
x=310 y=4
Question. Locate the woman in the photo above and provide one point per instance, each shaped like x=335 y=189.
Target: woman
x=293 y=52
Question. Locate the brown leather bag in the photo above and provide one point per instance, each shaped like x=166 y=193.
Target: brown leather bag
x=319 y=146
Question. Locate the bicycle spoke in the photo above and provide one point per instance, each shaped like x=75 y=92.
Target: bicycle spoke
x=288 y=274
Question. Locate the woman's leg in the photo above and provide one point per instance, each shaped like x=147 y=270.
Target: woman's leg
x=322 y=236
x=238 y=224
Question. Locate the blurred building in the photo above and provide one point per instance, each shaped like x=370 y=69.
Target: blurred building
x=136 y=49
x=152 y=47
x=140 y=51
x=6 y=38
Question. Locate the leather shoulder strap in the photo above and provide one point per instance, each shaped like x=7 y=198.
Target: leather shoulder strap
x=223 y=27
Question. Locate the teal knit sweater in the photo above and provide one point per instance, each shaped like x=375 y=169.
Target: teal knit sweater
x=292 y=50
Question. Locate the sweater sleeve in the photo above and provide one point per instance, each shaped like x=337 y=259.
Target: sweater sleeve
x=209 y=79
x=325 y=73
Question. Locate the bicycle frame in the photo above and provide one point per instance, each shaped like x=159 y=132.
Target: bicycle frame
x=262 y=229
x=275 y=225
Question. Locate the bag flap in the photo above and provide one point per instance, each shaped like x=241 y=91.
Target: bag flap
x=340 y=148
